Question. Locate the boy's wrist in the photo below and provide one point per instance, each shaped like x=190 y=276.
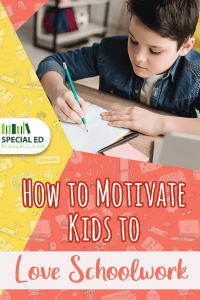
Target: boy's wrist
x=170 y=123
x=165 y=124
x=52 y=83
x=58 y=92
x=180 y=124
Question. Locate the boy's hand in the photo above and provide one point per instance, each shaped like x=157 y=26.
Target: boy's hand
x=137 y=119
x=67 y=108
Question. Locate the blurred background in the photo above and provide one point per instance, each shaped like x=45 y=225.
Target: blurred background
x=79 y=23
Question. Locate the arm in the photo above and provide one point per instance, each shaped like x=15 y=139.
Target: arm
x=184 y=125
x=82 y=63
x=150 y=123
x=62 y=99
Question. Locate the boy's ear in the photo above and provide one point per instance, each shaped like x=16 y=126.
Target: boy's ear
x=187 y=46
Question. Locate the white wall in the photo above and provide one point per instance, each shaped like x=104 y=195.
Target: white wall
x=114 y=13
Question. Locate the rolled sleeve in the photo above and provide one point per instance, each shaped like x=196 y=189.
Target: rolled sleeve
x=81 y=63
x=48 y=65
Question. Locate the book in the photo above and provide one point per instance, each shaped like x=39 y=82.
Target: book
x=99 y=134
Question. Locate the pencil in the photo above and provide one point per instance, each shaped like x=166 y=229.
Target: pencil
x=125 y=139
x=73 y=91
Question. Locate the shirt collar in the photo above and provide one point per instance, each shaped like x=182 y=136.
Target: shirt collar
x=173 y=69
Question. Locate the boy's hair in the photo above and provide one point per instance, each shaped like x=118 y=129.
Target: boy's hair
x=174 y=19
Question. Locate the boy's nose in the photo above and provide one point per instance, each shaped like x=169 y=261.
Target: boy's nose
x=140 y=56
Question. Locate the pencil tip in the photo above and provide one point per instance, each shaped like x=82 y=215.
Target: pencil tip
x=86 y=127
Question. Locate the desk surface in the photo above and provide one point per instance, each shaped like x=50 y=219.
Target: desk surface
x=142 y=143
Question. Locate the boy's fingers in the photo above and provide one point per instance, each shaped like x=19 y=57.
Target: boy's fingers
x=68 y=109
x=67 y=102
x=73 y=104
x=116 y=112
x=68 y=120
x=62 y=117
x=67 y=112
x=73 y=116
x=84 y=105
x=117 y=117
x=124 y=124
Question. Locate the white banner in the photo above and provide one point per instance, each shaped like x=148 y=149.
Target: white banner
x=99 y=270
x=23 y=136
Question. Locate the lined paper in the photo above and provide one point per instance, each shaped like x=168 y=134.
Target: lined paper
x=99 y=134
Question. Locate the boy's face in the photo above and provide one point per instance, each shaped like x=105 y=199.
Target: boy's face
x=149 y=53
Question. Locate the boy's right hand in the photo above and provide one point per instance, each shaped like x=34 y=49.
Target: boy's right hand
x=67 y=108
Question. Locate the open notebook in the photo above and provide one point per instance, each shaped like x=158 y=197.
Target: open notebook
x=99 y=134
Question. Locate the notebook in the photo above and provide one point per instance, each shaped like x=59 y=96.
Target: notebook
x=99 y=134
x=126 y=151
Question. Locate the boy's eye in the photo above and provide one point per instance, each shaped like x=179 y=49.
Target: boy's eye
x=136 y=43
x=156 y=53
x=133 y=42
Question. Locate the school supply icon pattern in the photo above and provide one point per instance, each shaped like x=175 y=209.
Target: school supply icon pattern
x=19 y=11
x=157 y=225
x=189 y=230
x=44 y=233
x=39 y=231
x=33 y=83
x=173 y=177
x=196 y=175
x=90 y=294
x=146 y=167
x=21 y=95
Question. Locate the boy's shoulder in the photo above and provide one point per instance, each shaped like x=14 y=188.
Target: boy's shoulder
x=192 y=60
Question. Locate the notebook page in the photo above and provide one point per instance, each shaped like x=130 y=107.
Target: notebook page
x=99 y=134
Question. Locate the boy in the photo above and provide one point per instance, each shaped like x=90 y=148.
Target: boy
x=155 y=65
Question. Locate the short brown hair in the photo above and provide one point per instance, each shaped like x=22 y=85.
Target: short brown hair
x=175 y=19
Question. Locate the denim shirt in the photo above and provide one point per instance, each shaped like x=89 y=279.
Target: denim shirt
x=178 y=92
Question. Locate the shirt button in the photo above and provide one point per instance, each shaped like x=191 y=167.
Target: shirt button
x=137 y=91
x=111 y=91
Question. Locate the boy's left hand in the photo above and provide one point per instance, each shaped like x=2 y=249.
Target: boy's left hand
x=137 y=119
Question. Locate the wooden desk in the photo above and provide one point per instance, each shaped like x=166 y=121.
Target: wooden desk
x=142 y=143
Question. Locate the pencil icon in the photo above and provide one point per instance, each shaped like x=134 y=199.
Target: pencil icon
x=73 y=91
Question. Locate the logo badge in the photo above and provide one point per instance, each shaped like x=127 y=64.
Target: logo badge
x=23 y=136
